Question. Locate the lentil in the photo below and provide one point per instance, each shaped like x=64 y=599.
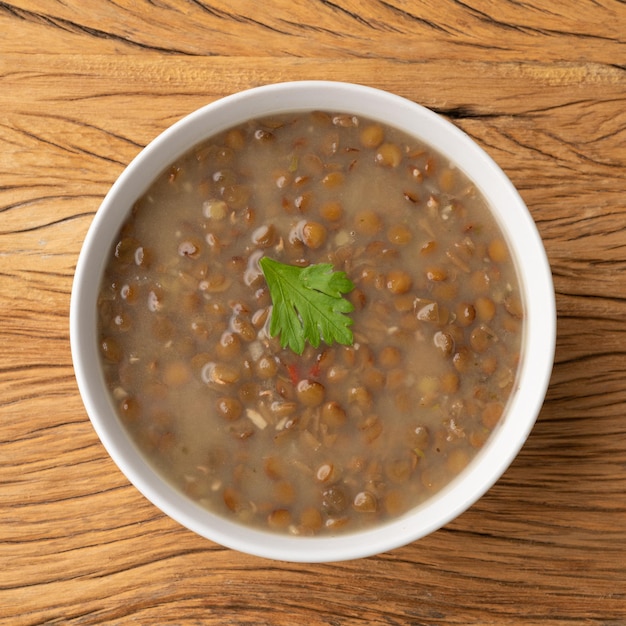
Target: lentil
x=342 y=437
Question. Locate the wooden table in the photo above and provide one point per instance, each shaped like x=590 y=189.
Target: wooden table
x=84 y=84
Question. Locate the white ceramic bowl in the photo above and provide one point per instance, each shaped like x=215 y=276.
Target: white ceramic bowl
x=514 y=219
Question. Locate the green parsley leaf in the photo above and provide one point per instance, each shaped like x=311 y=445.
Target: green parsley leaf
x=308 y=304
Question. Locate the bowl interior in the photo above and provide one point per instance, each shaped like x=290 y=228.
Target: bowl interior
x=513 y=218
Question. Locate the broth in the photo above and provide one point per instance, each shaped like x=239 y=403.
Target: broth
x=342 y=437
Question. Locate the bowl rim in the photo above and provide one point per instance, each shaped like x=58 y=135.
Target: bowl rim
x=534 y=273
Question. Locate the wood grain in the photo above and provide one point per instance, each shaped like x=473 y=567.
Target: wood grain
x=85 y=85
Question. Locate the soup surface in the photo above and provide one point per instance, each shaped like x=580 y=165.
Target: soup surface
x=342 y=437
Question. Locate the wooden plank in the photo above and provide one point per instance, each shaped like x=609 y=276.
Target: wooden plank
x=85 y=85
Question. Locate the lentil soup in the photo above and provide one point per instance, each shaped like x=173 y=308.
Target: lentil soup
x=340 y=438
